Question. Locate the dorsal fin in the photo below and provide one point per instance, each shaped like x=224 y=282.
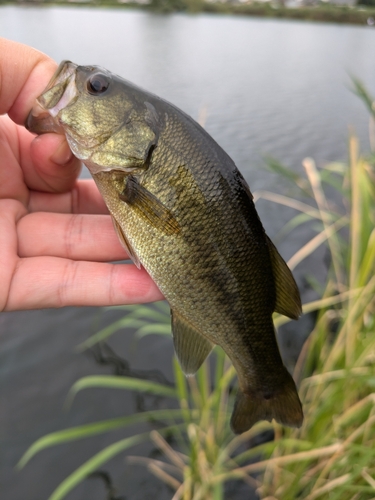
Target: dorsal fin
x=190 y=346
x=288 y=300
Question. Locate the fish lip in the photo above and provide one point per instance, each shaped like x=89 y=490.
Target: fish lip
x=60 y=92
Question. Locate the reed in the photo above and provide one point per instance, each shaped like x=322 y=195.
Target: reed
x=336 y=368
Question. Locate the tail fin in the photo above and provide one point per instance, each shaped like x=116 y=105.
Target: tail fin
x=282 y=404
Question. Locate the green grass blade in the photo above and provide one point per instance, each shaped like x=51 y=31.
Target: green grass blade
x=203 y=379
x=113 y=382
x=127 y=322
x=164 y=308
x=294 y=223
x=151 y=313
x=153 y=329
x=182 y=390
x=84 y=431
x=361 y=92
x=138 y=316
x=289 y=174
x=94 y=463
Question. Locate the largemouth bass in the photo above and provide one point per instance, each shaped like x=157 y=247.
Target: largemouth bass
x=183 y=211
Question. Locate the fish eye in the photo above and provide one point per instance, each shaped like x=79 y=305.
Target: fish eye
x=97 y=84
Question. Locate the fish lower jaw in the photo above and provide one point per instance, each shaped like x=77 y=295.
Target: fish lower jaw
x=40 y=121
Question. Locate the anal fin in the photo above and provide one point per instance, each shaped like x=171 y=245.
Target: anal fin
x=190 y=346
x=125 y=243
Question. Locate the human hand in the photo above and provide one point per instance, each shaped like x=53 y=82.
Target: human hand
x=56 y=237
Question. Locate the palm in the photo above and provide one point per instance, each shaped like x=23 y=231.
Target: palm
x=55 y=236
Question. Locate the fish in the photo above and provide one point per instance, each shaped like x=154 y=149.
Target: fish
x=184 y=212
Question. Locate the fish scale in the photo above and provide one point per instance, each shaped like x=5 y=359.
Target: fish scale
x=183 y=211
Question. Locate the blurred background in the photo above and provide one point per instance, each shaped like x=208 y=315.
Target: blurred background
x=263 y=89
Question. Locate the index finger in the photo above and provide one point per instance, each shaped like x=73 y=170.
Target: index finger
x=83 y=198
x=24 y=73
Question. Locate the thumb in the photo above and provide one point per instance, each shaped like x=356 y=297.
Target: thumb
x=24 y=73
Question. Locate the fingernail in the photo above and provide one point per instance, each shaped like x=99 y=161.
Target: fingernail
x=62 y=155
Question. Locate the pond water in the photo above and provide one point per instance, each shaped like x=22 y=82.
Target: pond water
x=263 y=88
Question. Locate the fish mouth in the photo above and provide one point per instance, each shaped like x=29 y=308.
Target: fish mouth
x=59 y=93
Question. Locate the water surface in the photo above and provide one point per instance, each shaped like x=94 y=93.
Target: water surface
x=263 y=87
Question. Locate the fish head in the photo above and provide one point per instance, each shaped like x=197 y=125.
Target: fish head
x=105 y=119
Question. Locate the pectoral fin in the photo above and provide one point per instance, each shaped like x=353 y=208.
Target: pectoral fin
x=148 y=206
x=125 y=243
x=288 y=300
x=190 y=346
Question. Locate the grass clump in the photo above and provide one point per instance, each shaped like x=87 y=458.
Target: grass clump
x=336 y=369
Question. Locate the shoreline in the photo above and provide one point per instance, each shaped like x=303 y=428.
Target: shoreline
x=326 y=13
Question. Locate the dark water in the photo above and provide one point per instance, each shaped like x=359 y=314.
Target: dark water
x=265 y=87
